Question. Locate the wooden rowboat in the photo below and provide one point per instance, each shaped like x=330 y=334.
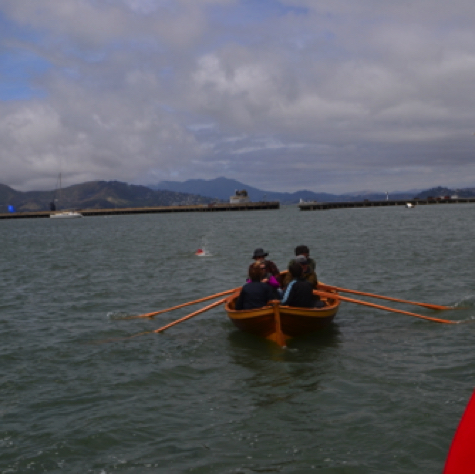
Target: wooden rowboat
x=279 y=323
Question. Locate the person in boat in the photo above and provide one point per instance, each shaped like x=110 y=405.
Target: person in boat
x=299 y=292
x=305 y=251
x=272 y=274
x=255 y=293
x=307 y=272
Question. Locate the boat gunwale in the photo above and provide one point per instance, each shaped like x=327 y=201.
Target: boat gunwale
x=284 y=309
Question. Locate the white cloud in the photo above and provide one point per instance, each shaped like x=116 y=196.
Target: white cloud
x=322 y=96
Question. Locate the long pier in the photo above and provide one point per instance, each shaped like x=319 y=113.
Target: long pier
x=219 y=207
x=323 y=206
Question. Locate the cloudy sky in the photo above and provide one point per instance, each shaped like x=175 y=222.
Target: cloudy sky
x=333 y=96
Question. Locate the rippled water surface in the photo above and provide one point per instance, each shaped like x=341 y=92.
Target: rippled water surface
x=377 y=392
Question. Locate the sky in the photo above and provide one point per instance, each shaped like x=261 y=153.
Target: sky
x=330 y=96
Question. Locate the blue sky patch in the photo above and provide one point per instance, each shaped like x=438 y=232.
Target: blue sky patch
x=17 y=71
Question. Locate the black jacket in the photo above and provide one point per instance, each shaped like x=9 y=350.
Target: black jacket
x=301 y=295
x=254 y=294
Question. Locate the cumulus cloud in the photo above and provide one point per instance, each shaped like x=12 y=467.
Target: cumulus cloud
x=282 y=95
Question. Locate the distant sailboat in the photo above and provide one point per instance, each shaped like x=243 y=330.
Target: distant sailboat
x=61 y=214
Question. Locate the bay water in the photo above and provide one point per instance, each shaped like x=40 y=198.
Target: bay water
x=377 y=392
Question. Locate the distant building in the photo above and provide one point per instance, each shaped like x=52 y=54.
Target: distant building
x=239 y=197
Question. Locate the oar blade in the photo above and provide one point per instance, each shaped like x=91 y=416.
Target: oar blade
x=385 y=308
x=398 y=300
x=183 y=305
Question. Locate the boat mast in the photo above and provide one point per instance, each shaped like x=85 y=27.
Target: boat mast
x=60 y=186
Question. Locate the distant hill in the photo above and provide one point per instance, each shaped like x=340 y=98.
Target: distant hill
x=96 y=195
x=440 y=191
x=7 y=193
x=116 y=194
x=223 y=188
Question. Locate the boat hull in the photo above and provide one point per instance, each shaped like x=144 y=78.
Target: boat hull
x=280 y=323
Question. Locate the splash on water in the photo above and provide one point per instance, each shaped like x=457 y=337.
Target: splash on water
x=465 y=303
x=202 y=253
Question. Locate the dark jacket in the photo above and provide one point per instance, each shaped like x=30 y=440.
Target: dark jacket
x=254 y=294
x=300 y=295
x=310 y=262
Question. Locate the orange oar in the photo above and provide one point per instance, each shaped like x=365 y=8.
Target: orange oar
x=206 y=308
x=345 y=290
x=386 y=308
x=202 y=310
x=151 y=315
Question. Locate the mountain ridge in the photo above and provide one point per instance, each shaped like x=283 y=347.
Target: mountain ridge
x=95 y=195
x=117 y=194
x=222 y=188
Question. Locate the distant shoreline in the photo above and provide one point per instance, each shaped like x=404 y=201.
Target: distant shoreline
x=219 y=207
x=322 y=206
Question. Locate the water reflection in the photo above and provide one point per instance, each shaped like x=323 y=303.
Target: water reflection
x=315 y=342
x=275 y=375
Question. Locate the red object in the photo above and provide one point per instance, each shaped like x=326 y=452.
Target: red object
x=461 y=457
x=198 y=251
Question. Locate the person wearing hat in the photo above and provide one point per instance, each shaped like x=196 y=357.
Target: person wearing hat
x=307 y=272
x=272 y=274
x=304 y=250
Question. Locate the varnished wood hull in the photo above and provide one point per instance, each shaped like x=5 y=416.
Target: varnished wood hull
x=287 y=323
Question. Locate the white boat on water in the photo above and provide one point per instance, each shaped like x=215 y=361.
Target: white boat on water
x=66 y=215
x=61 y=214
x=409 y=205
